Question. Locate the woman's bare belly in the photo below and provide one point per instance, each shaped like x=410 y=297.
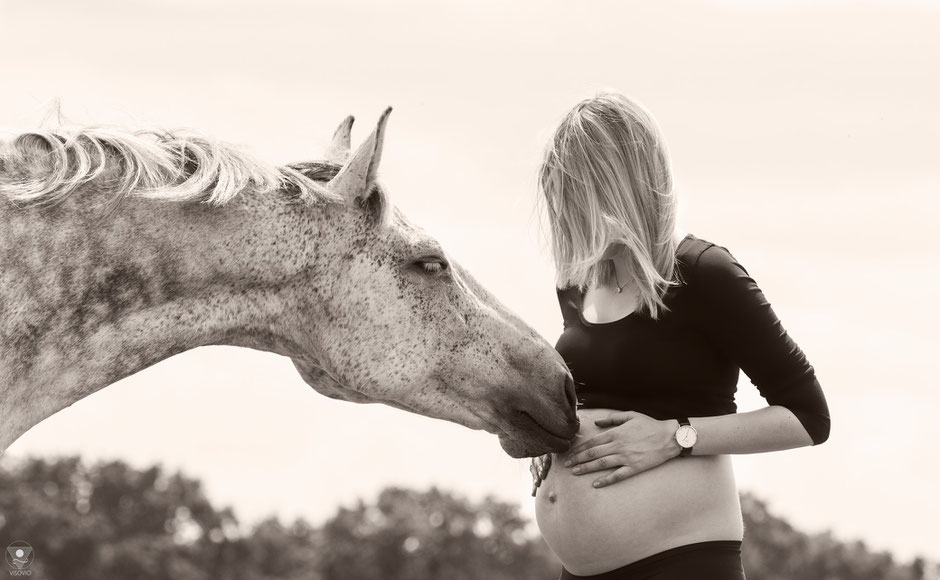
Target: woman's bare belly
x=683 y=501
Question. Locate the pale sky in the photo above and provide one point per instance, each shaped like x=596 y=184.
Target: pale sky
x=803 y=136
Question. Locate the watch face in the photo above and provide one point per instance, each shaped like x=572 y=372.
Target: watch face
x=686 y=436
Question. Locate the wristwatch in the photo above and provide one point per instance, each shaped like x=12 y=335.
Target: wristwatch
x=686 y=436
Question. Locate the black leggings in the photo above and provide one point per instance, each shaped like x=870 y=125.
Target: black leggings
x=718 y=560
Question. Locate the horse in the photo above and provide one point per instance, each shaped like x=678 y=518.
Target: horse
x=120 y=248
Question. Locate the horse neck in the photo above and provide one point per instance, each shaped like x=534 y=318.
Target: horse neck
x=86 y=302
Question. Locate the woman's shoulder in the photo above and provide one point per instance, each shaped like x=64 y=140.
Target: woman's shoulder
x=707 y=264
x=569 y=296
x=717 y=283
x=568 y=292
x=568 y=301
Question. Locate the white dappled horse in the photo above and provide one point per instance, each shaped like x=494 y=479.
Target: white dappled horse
x=121 y=248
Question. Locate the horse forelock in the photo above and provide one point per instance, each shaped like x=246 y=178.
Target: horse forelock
x=319 y=171
x=45 y=167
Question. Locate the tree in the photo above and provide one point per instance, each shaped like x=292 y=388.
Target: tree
x=109 y=520
x=408 y=534
x=774 y=550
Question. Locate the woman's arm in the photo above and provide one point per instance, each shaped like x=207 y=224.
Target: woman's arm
x=635 y=442
x=736 y=316
x=733 y=312
x=773 y=428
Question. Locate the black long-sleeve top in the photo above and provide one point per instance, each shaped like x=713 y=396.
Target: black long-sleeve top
x=686 y=363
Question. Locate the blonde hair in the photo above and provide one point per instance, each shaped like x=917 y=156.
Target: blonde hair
x=607 y=186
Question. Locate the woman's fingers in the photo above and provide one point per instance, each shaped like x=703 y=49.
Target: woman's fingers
x=592 y=455
x=600 y=464
x=545 y=465
x=616 y=418
x=625 y=470
x=539 y=467
x=599 y=439
x=619 y=475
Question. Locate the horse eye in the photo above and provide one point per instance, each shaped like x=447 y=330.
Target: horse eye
x=432 y=265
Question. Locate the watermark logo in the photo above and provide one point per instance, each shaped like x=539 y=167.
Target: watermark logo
x=19 y=557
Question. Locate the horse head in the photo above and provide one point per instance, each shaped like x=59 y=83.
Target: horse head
x=387 y=316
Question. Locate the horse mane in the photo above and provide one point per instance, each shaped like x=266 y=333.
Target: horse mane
x=45 y=167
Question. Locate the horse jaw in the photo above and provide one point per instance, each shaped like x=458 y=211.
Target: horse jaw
x=521 y=437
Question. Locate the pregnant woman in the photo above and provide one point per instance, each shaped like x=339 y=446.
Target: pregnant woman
x=657 y=326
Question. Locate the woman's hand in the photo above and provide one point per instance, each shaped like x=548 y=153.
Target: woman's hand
x=632 y=444
x=539 y=467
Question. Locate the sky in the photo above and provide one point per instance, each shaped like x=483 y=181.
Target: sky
x=804 y=138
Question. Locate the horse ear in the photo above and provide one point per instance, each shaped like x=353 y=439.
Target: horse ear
x=338 y=151
x=356 y=177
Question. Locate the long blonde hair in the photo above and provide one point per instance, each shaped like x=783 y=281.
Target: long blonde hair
x=607 y=185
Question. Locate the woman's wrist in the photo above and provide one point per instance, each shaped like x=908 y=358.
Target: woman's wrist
x=670 y=426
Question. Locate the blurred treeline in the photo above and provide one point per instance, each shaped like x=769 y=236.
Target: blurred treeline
x=111 y=521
